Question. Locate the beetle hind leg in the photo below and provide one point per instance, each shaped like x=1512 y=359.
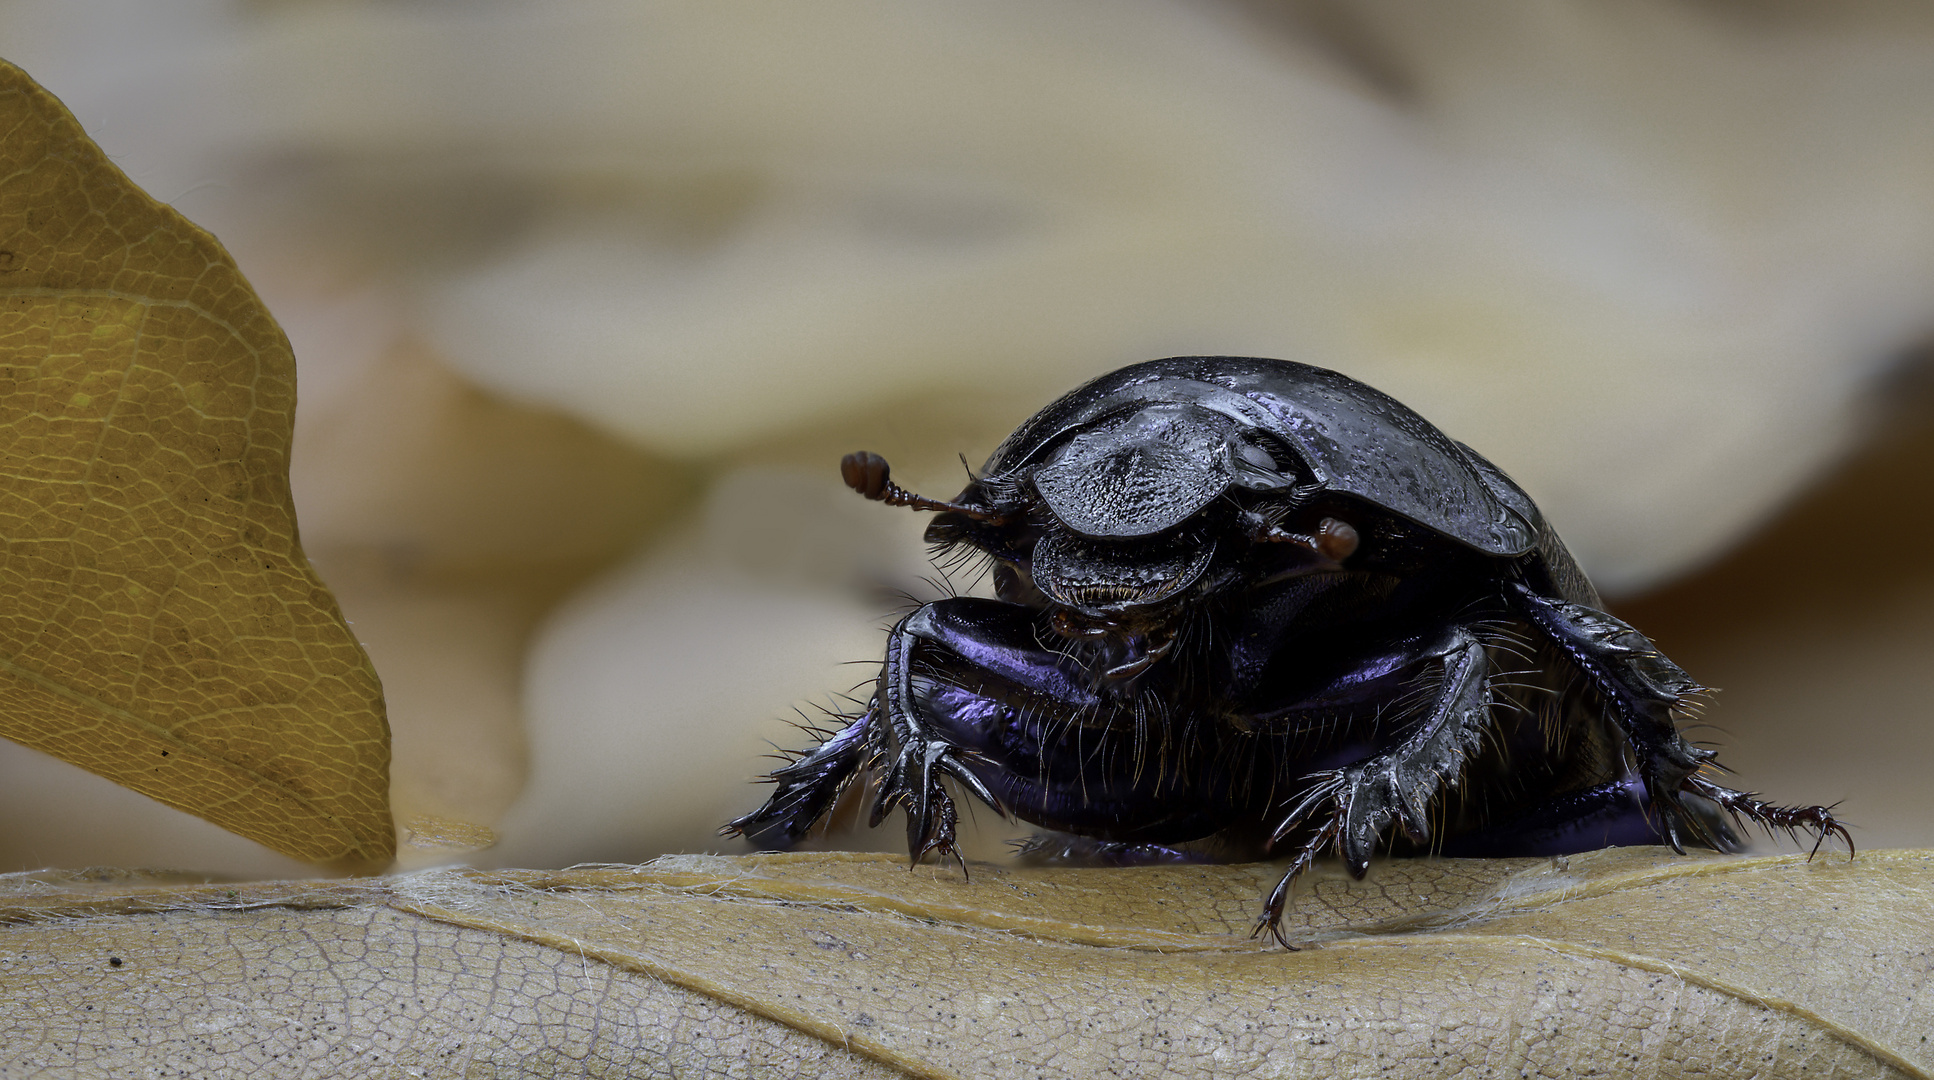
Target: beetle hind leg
x=1744 y=806
x=1063 y=849
x=1323 y=837
x=1647 y=693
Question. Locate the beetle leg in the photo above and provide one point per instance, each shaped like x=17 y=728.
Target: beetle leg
x=1646 y=691
x=920 y=756
x=1397 y=786
x=806 y=788
x=972 y=689
x=1818 y=819
x=1329 y=786
x=1062 y=849
x=1610 y=814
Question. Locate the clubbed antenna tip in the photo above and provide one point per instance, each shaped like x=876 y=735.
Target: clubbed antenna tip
x=870 y=475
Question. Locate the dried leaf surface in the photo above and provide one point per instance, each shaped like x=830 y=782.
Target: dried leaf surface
x=1619 y=962
x=161 y=626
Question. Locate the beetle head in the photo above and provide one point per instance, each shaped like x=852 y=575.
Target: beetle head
x=1128 y=506
x=1116 y=522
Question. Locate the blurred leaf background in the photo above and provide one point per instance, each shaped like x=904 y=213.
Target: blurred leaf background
x=587 y=299
x=162 y=626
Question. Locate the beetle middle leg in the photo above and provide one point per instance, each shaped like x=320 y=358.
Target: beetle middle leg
x=894 y=731
x=805 y=788
x=1646 y=692
x=1354 y=805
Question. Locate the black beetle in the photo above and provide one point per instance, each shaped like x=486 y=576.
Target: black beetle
x=1254 y=602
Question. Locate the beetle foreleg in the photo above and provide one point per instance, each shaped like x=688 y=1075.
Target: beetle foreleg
x=1398 y=785
x=920 y=757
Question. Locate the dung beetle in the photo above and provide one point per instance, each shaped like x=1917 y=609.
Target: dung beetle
x=1260 y=608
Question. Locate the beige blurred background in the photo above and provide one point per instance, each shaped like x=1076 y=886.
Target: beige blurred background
x=589 y=297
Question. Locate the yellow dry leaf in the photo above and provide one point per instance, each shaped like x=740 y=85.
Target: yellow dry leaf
x=1622 y=962
x=159 y=624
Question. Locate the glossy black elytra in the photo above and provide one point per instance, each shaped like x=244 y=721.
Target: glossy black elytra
x=1261 y=605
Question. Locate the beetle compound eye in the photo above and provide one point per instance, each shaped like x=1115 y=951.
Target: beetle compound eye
x=1259 y=464
x=1336 y=540
x=1015 y=586
x=1007 y=580
x=1256 y=457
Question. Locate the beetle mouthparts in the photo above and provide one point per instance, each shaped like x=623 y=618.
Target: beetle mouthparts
x=1098 y=577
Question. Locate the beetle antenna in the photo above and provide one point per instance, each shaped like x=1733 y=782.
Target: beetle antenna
x=869 y=474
